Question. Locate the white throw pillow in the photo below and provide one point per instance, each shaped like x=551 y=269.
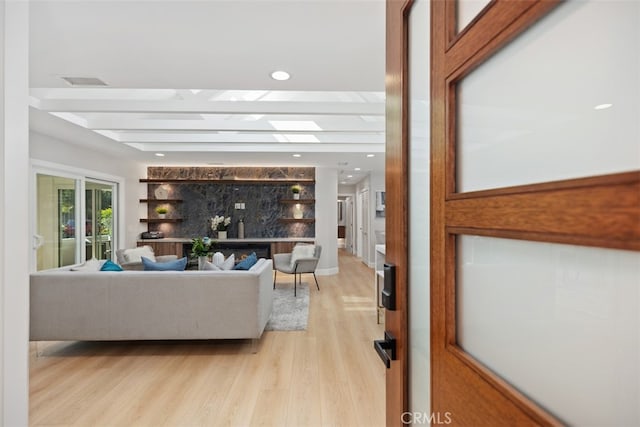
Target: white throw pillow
x=302 y=251
x=224 y=264
x=211 y=266
x=90 y=265
x=218 y=259
x=136 y=254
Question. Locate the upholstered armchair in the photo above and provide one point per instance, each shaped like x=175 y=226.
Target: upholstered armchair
x=302 y=260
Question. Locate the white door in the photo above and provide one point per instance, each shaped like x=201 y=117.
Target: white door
x=349 y=229
x=365 y=226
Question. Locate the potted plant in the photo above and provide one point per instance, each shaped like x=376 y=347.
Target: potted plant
x=220 y=224
x=161 y=211
x=200 y=249
x=296 y=189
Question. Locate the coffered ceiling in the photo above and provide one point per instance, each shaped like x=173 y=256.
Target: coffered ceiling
x=192 y=80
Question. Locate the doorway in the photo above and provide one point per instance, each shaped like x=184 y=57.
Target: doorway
x=99 y=219
x=362 y=245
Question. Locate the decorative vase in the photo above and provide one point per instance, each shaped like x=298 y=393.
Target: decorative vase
x=222 y=235
x=296 y=196
x=162 y=216
x=297 y=211
x=202 y=260
x=241 y=229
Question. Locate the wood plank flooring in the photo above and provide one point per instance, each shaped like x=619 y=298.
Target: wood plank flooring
x=328 y=375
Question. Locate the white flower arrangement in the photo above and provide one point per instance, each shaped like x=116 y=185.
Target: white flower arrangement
x=220 y=223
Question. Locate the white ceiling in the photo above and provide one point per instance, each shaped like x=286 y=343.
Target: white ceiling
x=191 y=79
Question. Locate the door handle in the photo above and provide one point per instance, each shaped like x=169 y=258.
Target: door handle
x=386 y=348
x=389 y=290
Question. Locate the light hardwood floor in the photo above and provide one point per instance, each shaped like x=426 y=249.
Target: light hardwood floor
x=328 y=375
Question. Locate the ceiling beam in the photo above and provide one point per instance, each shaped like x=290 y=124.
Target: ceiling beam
x=208 y=107
x=260 y=148
x=239 y=125
x=268 y=138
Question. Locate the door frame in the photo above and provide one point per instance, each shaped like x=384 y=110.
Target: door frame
x=55 y=169
x=397 y=194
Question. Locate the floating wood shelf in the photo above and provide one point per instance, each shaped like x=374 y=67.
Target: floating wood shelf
x=160 y=200
x=301 y=201
x=157 y=220
x=229 y=181
x=307 y=220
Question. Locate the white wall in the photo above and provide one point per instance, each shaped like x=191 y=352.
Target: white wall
x=14 y=212
x=327 y=219
x=49 y=149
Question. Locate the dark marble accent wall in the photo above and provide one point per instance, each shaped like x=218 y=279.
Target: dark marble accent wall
x=203 y=200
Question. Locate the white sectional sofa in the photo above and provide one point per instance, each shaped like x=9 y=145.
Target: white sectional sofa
x=150 y=305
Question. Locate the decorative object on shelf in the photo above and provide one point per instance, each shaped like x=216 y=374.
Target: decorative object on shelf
x=201 y=248
x=162 y=211
x=161 y=193
x=296 y=189
x=297 y=211
x=220 y=224
x=241 y=229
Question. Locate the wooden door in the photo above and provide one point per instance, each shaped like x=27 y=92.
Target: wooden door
x=396 y=216
x=591 y=211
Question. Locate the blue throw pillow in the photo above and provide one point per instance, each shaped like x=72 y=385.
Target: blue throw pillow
x=176 y=265
x=110 y=266
x=247 y=263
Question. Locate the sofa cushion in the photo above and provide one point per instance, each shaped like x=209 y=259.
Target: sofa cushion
x=177 y=265
x=247 y=263
x=136 y=254
x=110 y=266
x=90 y=265
x=301 y=251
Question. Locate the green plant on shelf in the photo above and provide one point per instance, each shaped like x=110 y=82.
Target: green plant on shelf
x=202 y=246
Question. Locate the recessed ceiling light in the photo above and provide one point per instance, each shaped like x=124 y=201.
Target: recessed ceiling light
x=160 y=154
x=280 y=75
x=297 y=155
x=371 y=155
x=343 y=182
x=602 y=106
x=356 y=169
x=349 y=176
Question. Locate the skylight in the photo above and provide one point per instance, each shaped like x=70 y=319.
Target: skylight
x=294 y=125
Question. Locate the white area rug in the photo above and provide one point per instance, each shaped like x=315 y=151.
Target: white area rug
x=290 y=313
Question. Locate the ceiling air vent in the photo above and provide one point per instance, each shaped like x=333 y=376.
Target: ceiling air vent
x=84 y=81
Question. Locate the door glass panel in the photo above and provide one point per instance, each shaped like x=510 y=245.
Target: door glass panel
x=56 y=219
x=561 y=101
x=419 y=155
x=466 y=10
x=99 y=220
x=559 y=322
